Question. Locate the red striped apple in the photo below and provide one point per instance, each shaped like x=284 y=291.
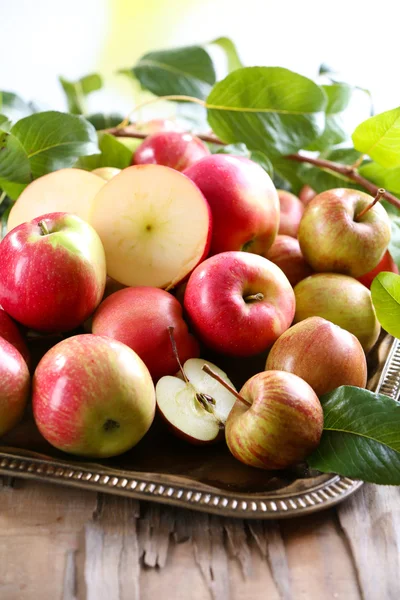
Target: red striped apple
x=243 y=201
x=280 y=425
x=285 y=252
x=291 y=211
x=386 y=264
x=239 y=303
x=303 y=350
x=14 y=386
x=171 y=149
x=11 y=333
x=92 y=396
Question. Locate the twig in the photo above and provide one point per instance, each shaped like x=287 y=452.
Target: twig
x=131 y=132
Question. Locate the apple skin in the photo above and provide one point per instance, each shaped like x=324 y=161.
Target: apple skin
x=386 y=264
x=172 y=149
x=86 y=384
x=139 y=317
x=303 y=350
x=10 y=332
x=341 y=300
x=291 y=211
x=52 y=283
x=332 y=241
x=283 y=425
x=306 y=194
x=243 y=200
x=14 y=386
x=285 y=252
x=214 y=302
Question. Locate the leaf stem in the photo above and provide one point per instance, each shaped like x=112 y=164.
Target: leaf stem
x=378 y=196
x=230 y=389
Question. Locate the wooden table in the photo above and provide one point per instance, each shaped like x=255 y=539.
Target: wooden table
x=64 y=544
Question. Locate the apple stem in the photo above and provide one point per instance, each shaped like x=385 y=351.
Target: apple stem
x=43 y=228
x=214 y=375
x=254 y=297
x=175 y=351
x=378 y=196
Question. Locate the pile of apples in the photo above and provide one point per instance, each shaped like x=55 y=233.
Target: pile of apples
x=182 y=254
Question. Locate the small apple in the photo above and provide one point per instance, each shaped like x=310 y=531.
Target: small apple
x=159 y=227
x=139 y=317
x=66 y=190
x=332 y=237
x=285 y=252
x=291 y=211
x=306 y=194
x=14 y=386
x=171 y=149
x=386 y=264
x=195 y=405
x=106 y=173
x=92 y=396
x=303 y=350
x=52 y=272
x=341 y=300
x=282 y=425
x=239 y=303
x=10 y=332
x=243 y=200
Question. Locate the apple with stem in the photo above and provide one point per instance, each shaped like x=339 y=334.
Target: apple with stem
x=14 y=386
x=386 y=264
x=303 y=350
x=92 y=396
x=171 y=149
x=285 y=252
x=291 y=211
x=10 y=332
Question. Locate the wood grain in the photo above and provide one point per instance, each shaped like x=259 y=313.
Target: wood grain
x=61 y=543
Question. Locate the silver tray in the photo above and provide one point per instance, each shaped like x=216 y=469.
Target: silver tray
x=166 y=470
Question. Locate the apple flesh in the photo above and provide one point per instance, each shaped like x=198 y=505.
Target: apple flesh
x=282 y=426
x=332 y=240
x=195 y=409
x=159 y=227
x=341 y=300
x=14 y=386
x=386 y=264
x=239 y=303
x=139 y=317
x=306 y=194
x=172 y=149
x=11 y=333
x=303 y=350
x=106 y=173
x=92 y=396
x=285 y=252
x=243 y=201
x=66 y=190
x=52 y=272
x=291 y=211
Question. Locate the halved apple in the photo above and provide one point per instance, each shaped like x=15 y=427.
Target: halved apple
x=66 y=190
x=106 y=173
x=196 y=408
x=155 y=226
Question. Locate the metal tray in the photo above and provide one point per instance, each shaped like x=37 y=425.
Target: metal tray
x=164 y=469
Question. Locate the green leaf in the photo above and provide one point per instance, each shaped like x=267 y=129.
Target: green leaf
x=13 y=107
x=5 y=124
x=379 y=137
x=339 y=95
x=290 y=172
x=394 y=245
x=14 y=164
x=361 y=437
x=386 y=178
x=13 y=190
x=270 y=109
x=76 y=91
x=102 y=121
x=323 y=179
x=185 y=71
x=231 y=53
x=241 y=150
x=112 y=154
x=385 y=292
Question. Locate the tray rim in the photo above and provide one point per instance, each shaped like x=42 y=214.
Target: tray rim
x=192 y=494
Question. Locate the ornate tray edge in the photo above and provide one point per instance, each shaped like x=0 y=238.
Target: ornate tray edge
x=228 y=504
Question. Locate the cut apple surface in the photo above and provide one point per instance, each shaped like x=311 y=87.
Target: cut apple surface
x=196 y=408
x=155 y=226
x=66 y=190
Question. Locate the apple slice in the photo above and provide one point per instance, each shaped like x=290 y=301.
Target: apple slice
x=194 y=404
x=66 y=190
x=155 y=226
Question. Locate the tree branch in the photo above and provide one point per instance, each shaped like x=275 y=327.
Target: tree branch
x=131 y=132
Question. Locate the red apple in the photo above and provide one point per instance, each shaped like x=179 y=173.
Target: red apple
x=239 y=303
x=291 y=211
x=303 y=350
x=139 y=317
x=14 y=386
x=10 y=332
x=92 y=396
x=171 y=149
x=306 y=194
x=243 y=200
x=285 y=252
x=52 y=272
x=282 y=425
x=386 y=264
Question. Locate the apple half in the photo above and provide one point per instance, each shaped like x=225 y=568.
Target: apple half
x=155 y=225
x=196 y=408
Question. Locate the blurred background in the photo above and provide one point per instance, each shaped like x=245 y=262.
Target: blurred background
x=42 y=39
